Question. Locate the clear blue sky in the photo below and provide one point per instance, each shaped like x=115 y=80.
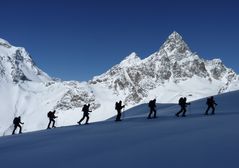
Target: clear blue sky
x=78 y=39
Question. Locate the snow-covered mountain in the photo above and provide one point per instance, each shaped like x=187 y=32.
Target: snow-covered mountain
x=194 y=141
x=29 y=92
x=167 y=74
x=16 y=65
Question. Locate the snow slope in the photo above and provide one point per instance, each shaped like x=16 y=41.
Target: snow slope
x=171 y=72
x=194 y=141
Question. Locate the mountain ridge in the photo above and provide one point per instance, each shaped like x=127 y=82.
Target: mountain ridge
x=174 y=61
x=167 y=74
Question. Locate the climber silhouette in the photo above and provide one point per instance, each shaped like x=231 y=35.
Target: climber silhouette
x=210 y=104
x=152 y=106
x=183 y=104
x=86 y=111
x=17 y=122
x=51 y=116
x=118 y=107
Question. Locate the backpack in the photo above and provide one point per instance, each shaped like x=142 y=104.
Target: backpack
x=15 y=121
x=180 y=101
x=116 y=105
x=49 y=114
x=84 y=108
x=150 y=103
x=208 y=101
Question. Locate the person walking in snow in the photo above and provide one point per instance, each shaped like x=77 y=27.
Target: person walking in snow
x=118 y=107
x=183 y=104
x=86 y=111
x=51 y=116
x=152 y=106
x=210 y=104
x=17 y=122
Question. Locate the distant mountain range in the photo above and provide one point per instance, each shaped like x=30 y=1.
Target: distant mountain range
x=167 y=74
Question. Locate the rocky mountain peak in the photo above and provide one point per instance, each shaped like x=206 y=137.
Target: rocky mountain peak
x=175 y=35
x=175 y=45
x=131 y=60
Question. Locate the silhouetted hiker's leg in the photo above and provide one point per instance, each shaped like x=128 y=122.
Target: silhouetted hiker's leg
x=53 y=126
x=81 y=119
x=184 y=111
x=20 y=129
x=154 y=113
x=151 y=111
x=13 y=132
x=48 y=127
x=206 y=113
x=118 y=115
x=177 y=114
x=87 y=119
x=213 y=110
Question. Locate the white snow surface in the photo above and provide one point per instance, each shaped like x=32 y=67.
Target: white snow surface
x=168 y=74
x=193 y=141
